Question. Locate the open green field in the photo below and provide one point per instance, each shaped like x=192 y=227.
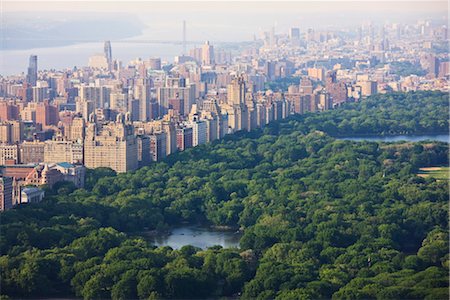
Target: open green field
x=439 y=173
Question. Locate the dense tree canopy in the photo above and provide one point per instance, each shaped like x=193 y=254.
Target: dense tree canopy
x=406 y=68
x=282 y=84
x=395 y=113
x=322 y=218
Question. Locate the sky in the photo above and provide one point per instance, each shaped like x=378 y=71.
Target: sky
x=402 y=6
x=230 y=20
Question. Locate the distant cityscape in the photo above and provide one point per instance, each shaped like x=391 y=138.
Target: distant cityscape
x=124 y=115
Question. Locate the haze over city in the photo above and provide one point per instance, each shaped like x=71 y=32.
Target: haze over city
x=231 y=21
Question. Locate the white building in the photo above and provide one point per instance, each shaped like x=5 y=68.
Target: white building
x=199 y=132
x=31 y=195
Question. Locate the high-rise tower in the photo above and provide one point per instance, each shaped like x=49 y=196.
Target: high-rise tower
x=207 y=54
x=236 y=91
x=108 y=53
x=32 y=70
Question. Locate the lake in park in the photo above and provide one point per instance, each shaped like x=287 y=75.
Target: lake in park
x=198 y=236
x=398 y=138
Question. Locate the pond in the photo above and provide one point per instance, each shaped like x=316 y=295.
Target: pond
x=198 y=236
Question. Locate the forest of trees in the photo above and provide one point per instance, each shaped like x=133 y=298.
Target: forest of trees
x=406 y=68
x=322 y=218
x=282 y=84
x=390 y=114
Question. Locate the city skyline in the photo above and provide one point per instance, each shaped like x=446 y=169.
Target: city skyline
x=25 y=33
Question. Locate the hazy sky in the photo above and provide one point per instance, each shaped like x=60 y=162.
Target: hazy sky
x=235 y=20
x=402 y=6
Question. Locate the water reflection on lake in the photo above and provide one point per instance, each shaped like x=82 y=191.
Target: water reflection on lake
x=398 y=138
x=202 y=237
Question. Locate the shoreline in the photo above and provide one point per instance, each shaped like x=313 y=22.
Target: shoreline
x=389 y=135
x=169 y=231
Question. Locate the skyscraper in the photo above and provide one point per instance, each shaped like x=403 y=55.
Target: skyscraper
x=32 y=70
x=108 y=53
x=142 y=92
x=207 y=54
x=236 y=91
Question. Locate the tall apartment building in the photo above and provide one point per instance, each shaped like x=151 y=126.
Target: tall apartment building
x=6 y=193
x=9 y=154
x=184 y=138
x=111 y=145
x=98 y=95
x=211 y=127
x=324 y=101
x=74 y=130
x=171 y=137
x=336 y=89
x=316 y=73
x=176 y=88
x=207 y=54
x=368 y=87
x=199 y=132
x=84 y=107
x=11 y=132
x=40 y=92
x=236 y=108
x=46 y=114
x=57 y=151
x=196 y=54
x=143 y=149
x=236 y=91
x=237 y=117
x=31 y=152
x=142 y=92
x=219 y=123
x=158 y=146
x=8 y=111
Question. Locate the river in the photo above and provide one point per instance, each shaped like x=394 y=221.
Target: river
x=77 y=54
x=202 y=237
x=16 y=61
x=397 y=138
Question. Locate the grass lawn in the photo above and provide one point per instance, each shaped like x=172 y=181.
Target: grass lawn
x=439 y=173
